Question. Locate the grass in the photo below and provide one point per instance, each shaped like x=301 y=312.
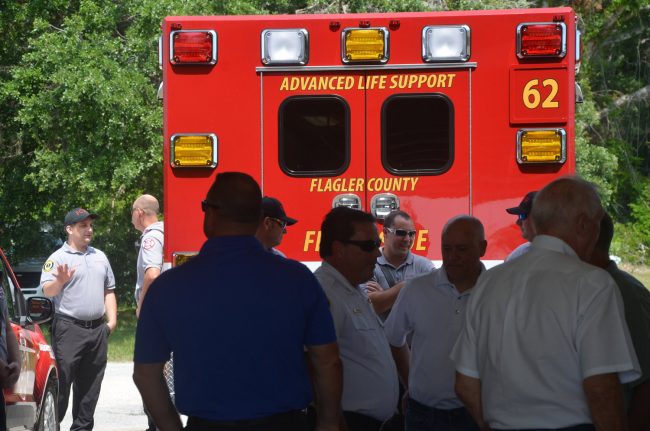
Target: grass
x=121 y=342
x=642 y=273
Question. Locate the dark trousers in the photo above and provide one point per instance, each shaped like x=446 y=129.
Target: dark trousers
x=81 y=355
x=359 y=422
x=424 y=418
x=290 y=421
x=3 y=413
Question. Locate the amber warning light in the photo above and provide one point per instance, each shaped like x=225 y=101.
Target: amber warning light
x=193 y=47
x=541 y=40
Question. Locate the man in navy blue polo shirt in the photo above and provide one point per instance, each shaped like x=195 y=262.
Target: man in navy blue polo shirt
x=248 y=316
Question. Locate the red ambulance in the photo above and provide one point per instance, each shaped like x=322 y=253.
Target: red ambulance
x=438 y=114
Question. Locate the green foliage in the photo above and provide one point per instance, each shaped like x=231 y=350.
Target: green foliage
x=80 y=124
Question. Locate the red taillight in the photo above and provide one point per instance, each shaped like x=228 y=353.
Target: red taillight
x=541 y=40
x=193 y=47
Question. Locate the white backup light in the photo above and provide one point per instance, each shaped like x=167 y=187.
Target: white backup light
x=445 y=43
x=285 y=46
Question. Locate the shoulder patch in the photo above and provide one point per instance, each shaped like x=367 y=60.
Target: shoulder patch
x=48 y=266
x=148 y=243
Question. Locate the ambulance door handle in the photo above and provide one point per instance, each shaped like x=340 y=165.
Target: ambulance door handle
x=347 y=200
x=579 y=97
x=382 y=204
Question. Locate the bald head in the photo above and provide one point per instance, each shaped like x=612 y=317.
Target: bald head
x=569 y=208
x=148 y=204
x=463 y=244
x=234 y=205
x=144 y=212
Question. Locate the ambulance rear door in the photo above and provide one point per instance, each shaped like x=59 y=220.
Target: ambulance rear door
x=418 y=145
x=313 y=149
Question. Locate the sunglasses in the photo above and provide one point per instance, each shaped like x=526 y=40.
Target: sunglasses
x=367 y=245
x=401 y=232
x=522 y=216
x=205 y=204
x=281 y=223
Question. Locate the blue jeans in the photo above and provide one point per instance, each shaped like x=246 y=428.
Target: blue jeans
x=424 y=418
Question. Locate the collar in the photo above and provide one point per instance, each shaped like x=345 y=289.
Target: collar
x=154 y=226
x=334 y=273
x=443 y=280
x=66 y=248
x=552 y=243
x=381 y=260
x=230 y=244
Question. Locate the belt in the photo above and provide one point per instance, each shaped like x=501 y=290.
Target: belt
x=279 y=418
x=441 y=413
x=579 y=427
x=88 y=324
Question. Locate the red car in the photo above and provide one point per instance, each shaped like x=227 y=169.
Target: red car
x=31 y=404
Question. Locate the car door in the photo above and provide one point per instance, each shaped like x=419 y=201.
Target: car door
x=21 y=405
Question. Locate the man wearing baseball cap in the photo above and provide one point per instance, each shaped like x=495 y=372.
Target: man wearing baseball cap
x=80 y=280
x=522 y=211
x=273 y=225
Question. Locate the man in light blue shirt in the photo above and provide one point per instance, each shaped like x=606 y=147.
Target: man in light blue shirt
x=431 y=308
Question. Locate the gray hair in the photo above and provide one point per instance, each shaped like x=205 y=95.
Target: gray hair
x=559 y=204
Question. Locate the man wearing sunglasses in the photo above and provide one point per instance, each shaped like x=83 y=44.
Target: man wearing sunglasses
x=349 y=247
x=525 y=223
x=273 y=225
x=430 y=309
x=396 y=263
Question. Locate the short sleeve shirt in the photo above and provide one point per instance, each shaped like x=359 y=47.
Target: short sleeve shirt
x=82 y=297
x=151 y=252
x=534 y=329
x=370 y=384
x=431 y=309
x=241 y=354
x=413 y=266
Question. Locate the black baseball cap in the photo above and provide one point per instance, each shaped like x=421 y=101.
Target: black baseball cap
x=271 y=207
x=76 y=215
x=525 y=206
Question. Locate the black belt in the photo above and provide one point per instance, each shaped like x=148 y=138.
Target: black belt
x=88 y=324
x=279 y=418
x=579 y=427
x=440 y=413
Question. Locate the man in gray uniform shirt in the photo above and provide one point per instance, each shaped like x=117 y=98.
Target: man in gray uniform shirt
x=80 y=280
x=431 y=308
x=349 y=247
x=144 y=217
x=396 y=264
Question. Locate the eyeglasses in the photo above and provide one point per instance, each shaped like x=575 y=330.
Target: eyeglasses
x=205 y=204
x=281 y=223
x=401 y=232
x=367 y=245
x=134 y=209
x=522 y=216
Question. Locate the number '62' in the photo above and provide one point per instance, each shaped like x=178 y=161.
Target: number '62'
x=531 y=95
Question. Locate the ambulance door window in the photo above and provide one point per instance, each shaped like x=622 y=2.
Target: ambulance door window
x=417 y=134
x=314 y=136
